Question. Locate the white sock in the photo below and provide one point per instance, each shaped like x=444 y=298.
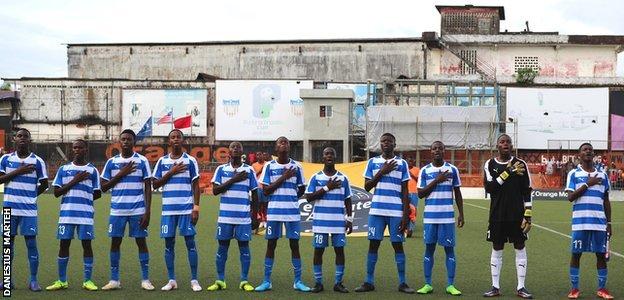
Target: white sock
x=496 y=264
x=521 y=266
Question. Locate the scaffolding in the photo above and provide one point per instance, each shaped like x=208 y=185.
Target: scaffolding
x=465 y=115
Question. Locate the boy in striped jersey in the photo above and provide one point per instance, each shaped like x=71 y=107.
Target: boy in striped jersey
x=234 y=181
x=508 y=182
x=25 y=177
x=437 y=183
x=128 y=176
x=389 y=175
x=79 y=185
x=332 y=193
x=588 y=190
x=283 y=184
x=178 y=173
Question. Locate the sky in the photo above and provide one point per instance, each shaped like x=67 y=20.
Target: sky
x=33 y=34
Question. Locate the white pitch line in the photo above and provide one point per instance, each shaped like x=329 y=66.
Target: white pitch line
x=545 y=228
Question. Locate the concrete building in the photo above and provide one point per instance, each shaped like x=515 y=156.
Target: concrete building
x=326 y=123
x=470 y=44
x=350 y=60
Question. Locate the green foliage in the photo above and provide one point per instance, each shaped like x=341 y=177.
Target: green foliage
x=5 y=87
x=526 y=75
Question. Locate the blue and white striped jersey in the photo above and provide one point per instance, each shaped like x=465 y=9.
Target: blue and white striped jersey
x=387 y=196
x=177 y=194
x=283 y=202
x=77 y=203
x=328 y=215
x=20 y=194
x=439 y=204
x=588 y=210
x=128 y=198
x=234 y=206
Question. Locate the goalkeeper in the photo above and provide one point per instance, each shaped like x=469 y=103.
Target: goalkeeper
x=508 y=182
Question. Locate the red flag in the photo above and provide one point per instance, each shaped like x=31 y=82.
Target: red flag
x=182 y=122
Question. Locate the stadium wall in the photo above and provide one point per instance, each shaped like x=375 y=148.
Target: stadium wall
x=58 y=110
x=321 y=60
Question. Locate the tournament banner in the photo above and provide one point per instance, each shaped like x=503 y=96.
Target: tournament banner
x=259 y=110
x=160 y=110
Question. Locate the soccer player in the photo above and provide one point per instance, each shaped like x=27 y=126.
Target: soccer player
x=260 y=213
x=78 y=183
x=332 y=193
x=439 y=180
x=234 y=181
x=588 y=190
x=128 y=177
x=389 y=175
x=178 y=173
x=283 y=183
x=24 y=177
x=508 y=182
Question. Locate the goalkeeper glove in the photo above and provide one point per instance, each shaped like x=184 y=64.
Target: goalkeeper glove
x=526 y=221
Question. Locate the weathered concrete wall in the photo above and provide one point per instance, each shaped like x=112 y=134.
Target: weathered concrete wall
x=335 y=61
x=562 y=61
x=61 y=110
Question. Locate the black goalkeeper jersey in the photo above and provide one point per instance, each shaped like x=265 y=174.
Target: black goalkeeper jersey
x=507 y=200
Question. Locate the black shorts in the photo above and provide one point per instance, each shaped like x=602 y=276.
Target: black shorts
x=506 y=232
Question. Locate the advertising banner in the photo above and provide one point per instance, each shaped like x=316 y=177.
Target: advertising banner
x=558 y=114
x=259 y=110
x=159 y=110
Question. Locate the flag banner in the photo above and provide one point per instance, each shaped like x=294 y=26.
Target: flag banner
x=183 y=122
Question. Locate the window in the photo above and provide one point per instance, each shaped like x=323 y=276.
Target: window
x=522 y=62
x=469 y=57
x=325 y=111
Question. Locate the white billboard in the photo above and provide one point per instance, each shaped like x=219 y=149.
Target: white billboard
x=259 y=110
x=558 y=114
x=165 y=107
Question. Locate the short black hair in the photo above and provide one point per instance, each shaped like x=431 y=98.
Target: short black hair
x=586 y=143
x=281 y=137
x=232 y=143
x=502 y=135
x=331 y=149
x=83 y=142
x=438 y=142
x=388 y=134
x=128 y=131
x=178 y=130
x=23 y=129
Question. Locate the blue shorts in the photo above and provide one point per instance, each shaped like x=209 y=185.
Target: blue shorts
x=117 y=226
x=321 y=240
x=27 y=225
x=443 y=234
x=414 y=199
x=240 y=232
x=589 y=241
x=274 y=230
x=377 y=226
x=66 y=232
x=169 y=223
